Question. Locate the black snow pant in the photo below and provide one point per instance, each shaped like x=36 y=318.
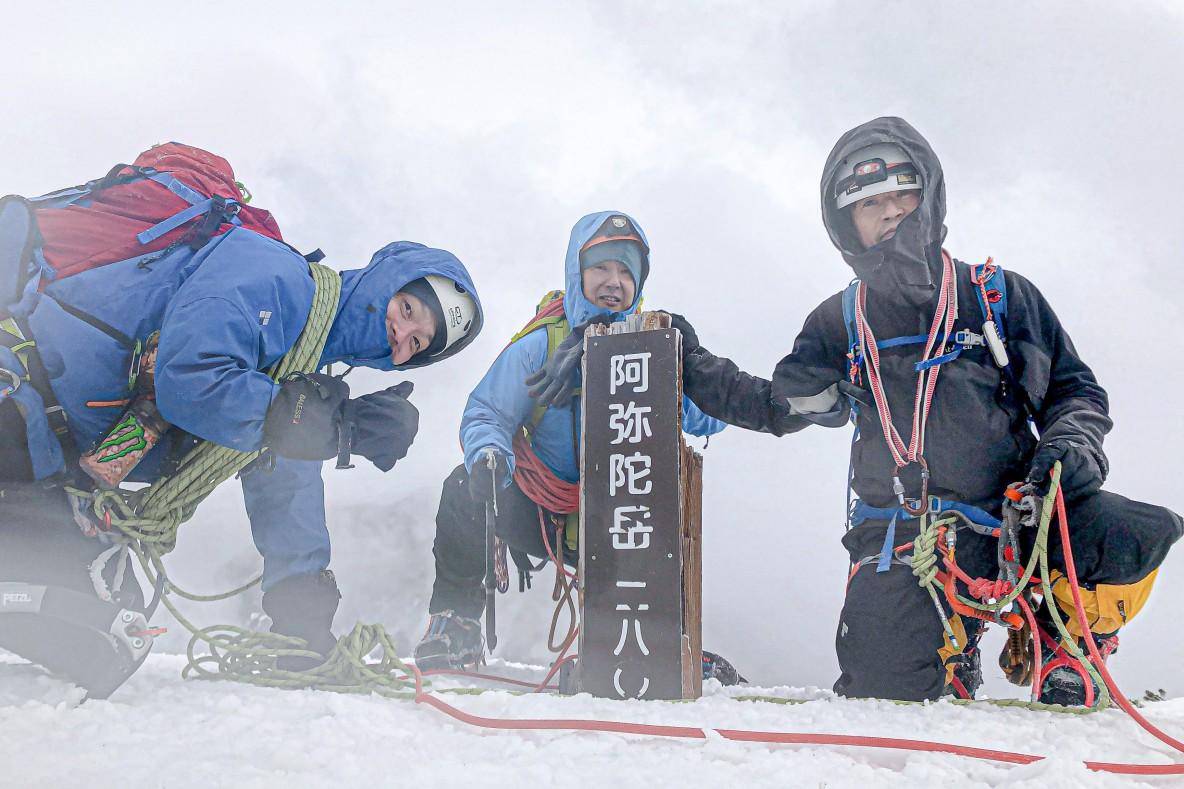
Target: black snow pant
x=40 y=544
x=889 y=633
x=460 y=541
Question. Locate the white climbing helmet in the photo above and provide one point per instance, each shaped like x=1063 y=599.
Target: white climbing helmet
x=874 y=170
x=457 y=305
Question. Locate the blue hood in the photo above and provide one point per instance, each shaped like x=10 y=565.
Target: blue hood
x=578 y=308
x=358 y=336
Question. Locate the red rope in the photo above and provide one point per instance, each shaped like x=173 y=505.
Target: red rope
x=988 y=271
x=946 y=315
x=559 y=566
x=539 y=483
x=846 y=740
x=771 y=737
x=986 y=589
x=1037 y=657
x=1096 y=657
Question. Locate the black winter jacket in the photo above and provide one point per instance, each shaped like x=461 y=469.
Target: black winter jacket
x=978 y=438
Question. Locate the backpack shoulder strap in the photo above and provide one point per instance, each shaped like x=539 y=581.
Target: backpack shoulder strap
x=992 y=300
x=549 y=314
x=992 y=294
x=854 y=357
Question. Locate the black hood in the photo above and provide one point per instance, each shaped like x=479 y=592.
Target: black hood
x=906 y=267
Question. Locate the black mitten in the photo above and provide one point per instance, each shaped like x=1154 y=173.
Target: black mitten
x=690 y=340
x=382 y=425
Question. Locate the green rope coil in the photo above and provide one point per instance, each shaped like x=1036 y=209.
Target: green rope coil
x=149 y=518
x=153 y=515
x=250 y=657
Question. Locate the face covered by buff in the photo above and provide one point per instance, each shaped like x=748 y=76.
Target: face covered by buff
x=903 y=265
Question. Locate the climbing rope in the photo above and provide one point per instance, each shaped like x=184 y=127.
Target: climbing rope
x=539 y=483
x=151 y=516
x=250 y=657
x=928 y=369
x=924 y=562
x=146 y=521
x=243 y=656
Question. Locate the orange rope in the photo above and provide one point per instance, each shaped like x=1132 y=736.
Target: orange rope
x=539 y=483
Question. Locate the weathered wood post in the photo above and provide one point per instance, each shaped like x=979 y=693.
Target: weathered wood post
x=640 y=518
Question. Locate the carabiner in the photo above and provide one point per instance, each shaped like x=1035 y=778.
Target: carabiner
x=14 y=382
x=923 y=500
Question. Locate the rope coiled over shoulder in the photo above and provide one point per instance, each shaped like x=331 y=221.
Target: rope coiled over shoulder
x=151 y=517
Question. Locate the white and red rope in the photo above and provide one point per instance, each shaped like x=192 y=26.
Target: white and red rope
x=944 y=319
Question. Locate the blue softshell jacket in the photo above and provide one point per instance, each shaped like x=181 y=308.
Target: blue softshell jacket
x=500 y=405
x=225 y=314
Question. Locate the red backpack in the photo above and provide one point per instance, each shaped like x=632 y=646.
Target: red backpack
x=171 y=195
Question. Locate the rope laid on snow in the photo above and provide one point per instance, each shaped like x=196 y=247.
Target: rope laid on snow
x=249 y=657
x=1056 y=500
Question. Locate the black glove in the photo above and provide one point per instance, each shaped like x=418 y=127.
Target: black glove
x=380 y=426
x=303 y=606
x=690 y=340
x=304 y=419
x=482 y=480
x=554 y=382
x=1080 y=471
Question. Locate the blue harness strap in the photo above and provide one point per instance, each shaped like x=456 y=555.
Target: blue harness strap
x=854 y=358
x=896 y=342
x=995 y=287
x=861 y=513
x=936 y=360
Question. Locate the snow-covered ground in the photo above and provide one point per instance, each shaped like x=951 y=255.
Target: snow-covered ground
x=160 y=731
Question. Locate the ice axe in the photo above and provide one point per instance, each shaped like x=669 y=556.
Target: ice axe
x=490 y=562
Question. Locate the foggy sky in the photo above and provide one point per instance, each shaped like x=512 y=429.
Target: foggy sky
x=488 y=129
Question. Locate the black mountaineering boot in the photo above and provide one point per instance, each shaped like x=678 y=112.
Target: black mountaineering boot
x=303 y=606
x=452 y=641
x=1063 y=680
x=965 y=669
x=968 y=674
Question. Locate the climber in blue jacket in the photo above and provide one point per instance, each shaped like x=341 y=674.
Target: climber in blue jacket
x=215 y=319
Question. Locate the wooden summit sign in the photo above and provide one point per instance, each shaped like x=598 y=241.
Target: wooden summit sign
x=640 y=518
